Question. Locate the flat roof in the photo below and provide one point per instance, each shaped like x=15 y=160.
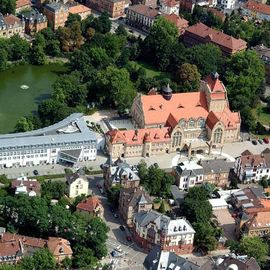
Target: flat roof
x=247 y=205
x=242 y=198
x=218 y=202
x=51 y=134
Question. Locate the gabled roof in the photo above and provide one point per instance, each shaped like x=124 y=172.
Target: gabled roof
x=144 y=10
x=78 y=9
x=257 y=7
x=59 y=246
x=135 y=196
x=216 y=37
x=22 y=3
x=89 y=204
x=73 y=177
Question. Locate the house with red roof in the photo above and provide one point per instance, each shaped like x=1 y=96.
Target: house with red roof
x=178 y=21
x=167 y=122
x=256 y=10
x=91 y=205
x=201 y=34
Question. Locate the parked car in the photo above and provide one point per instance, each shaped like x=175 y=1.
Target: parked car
x=266 y=140
x=260 y=141
x=35 y=172
x=254 y=142
x=114 y=253
x=122 y=228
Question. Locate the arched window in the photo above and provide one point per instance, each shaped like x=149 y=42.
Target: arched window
x=201 y=123
x=176 y=139
x=218 y=135
x=182 y=123
x=191 y=123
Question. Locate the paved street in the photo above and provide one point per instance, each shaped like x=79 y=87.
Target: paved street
x=134 y=256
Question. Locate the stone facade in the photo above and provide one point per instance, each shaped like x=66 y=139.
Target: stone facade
x=11 y=25
x=115 y=8
x=195 y=121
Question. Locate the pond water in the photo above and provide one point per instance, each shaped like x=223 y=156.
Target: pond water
x=22 y=88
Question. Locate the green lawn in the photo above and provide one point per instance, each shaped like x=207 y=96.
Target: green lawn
x=261 y=114
x=151 y=72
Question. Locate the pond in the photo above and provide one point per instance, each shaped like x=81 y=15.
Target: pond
x=22 y=88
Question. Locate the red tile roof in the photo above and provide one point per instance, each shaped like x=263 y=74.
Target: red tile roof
x=257 y=7
x=11 y=20
x=78 y=9
x=170 y=3
x=10 y=248
x=30 y=185
x=216 y=37
x=23 y=3
x=59 y=246
x=144 y=10
x=179 y=22
x=217 y=13
x=137 y=137
x=89 y=204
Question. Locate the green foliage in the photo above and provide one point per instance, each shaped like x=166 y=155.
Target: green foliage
x=188 y=78
x=102 y=24
x=84 y=258
x=24 y=124
x=41 y=259
x=252 y=246
x=7 y=6
x=121 y=31
x=113 y=194
x=53 y=189
x=263 y=182
x=162 y=208
x=72 y=18
x=159 y=45
x=155 y=180
x=4 y=180
x=18 y=48
x=206 y=57
x=3 y=59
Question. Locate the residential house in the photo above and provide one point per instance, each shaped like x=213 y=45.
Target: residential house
x=132 y=201
x=178 y=195
x=11 y=25
x=115 y=8
x=188 y=174
x=153 y=228
x=120 y=173
x=34 y=21
x=22 y=5
x=150 y=3
x=169 y=7
x=236 y=262
x=178 y=21
x=194 y=122
x=91 y=205
x=13 y=247
x=23 y=185
x=77 y=184
x=57 y=14
x=141 y=16
x=250 y=167
x=81 y=10
x=158 y=259
x=250 y=197
x=200 y=34
x=256 y=10
x=264 y=54
x=216 y=171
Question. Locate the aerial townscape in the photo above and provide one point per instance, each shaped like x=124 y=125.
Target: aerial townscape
x=134 y=134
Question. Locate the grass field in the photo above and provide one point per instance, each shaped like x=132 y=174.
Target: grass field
x=261 y=114
x=151 y=72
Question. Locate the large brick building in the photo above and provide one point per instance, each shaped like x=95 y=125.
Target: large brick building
x=152 y=228
x=57 y=14
x=167 y=122
x=115 y=8
x=201 y=34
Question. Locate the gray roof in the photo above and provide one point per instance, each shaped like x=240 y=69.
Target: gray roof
x=169 y=260
x=216 y=165
x=33 y=15
x=178 y=195
x=78 y=174
x=122 y=170
x=50 y=135
x=135 y=196
x=2 y=21
x=54 y=7
x=258 y=191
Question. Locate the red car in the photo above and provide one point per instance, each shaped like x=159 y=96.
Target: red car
x=266 y=140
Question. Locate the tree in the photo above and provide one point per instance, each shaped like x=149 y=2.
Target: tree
x=102 y=24
x=113 y=86
x=207 y=58
x=71 y=19
x=162 y=208
x=159 y=45
x=41 y=259
x=84 y=258
x=90 y=32
x=53 y=189
x=263 y=182
x=121 y=31
x=142 y=171
x=188 y=77
x=248 y=119
x=23 y=124
x=18 y=48
x=113 y=195
x=205 y=236
x=252 y=246
x=3 y=59
x=4 y=180
x=243 y=77
x=7 y=6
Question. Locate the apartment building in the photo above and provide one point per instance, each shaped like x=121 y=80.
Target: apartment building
x=81 y=10
x=91 y=205
x=169 y=7
x=256 y=10
x=178 y=21
x=152 y=228
x=77 y=184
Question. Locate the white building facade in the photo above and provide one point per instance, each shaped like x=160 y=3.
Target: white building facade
x=66 y=142
x=169 y=7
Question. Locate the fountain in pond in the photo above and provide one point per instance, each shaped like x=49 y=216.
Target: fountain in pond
x=24 y=86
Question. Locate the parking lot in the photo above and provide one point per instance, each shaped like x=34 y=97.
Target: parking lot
x=133 y=257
